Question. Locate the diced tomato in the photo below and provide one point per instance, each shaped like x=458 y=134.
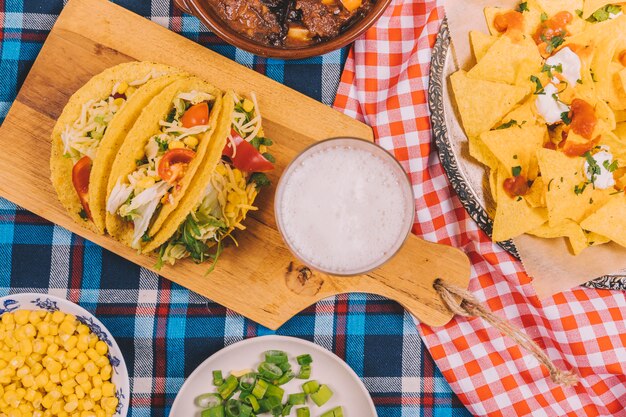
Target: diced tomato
x=247 y=158
x=196 y=115
x=555 y=26
x=511 y=20
x=515 y=186
x=578 y=148
x=80 y=179
x=174 y=163
x=583 y=118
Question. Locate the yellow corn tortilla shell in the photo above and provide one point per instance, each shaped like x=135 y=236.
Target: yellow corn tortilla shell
x=99 y=88
x=523 y=114
x=490 y=14
x=513 y=215
x=193 y=196
x=552 y=7
x=493 y=183
x=609 y=220
x=532 y=17
x=561 y=174
x=620 y=116
x=516 y=146
x=570 y=229
x=483 y=103
x=595 y=239
x=132 y=150
x=536 y=196
x=481 y=43
x=508 y=61
x=616 y=145
x=481 y=153
x=615 y=94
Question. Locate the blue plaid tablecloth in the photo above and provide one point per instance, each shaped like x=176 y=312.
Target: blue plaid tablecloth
x=163 y=329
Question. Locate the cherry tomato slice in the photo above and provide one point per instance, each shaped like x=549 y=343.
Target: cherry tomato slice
x=247 y=158
x=174 y=163
x=516 y=186
x=196 y=115
x=80 y=179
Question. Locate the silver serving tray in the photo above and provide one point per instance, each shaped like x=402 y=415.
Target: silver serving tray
x=468 y=177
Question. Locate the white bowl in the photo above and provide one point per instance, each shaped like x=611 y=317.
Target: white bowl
x=327 y=368
x=34 y=301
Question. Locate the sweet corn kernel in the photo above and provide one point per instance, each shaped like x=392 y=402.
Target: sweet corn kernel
x=80 y=393
x=191 y=141
x=95 y=394
x=109 y=403
x=21 y=317
x=130 y=90
x=220 y=169
x=52 y=349
x=122 y=87
x=86 y=386
x=175 y=144
x=81 y=377
x=91 y=368
x=66 y=390
x=247 y=105
x=92 y=341
x=71 y=406
x=118 y=101
x=262 y=148
x=146 y=182
x=108 y=389
x=67 y=327
x=58 y=317
x=82 y=358
x=102 y=361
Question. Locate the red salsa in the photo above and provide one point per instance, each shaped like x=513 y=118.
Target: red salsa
x=511 y=20
x=516 y=186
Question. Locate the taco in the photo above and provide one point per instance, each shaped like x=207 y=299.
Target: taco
x=159 y=158
x=223 y=191
x=91 y=129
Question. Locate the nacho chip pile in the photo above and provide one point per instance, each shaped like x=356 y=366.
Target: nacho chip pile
x=544 y=109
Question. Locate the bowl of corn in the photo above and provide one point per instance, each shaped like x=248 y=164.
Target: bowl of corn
x=57 y=359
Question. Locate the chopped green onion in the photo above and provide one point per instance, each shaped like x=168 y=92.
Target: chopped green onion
x=285 y=366
x=247 y=381
x=213 y=412
x=228 y=387
x=287 y=376
x=297 y=399
x=251 y=401
x=259 y=388
x=270 y=371
x=274 y=391
x=335 y=412
x=302 y=412
x=304 y=359
x=276 y=356
x=274 y=405
x=305 y=372
x=287 y=409
x=208 y=400
x=311 y=387
x=218 y=379
x=322 y=396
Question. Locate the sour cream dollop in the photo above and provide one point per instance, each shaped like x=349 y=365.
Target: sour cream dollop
x=548 y=107
x=570 y=63
x=604 y=179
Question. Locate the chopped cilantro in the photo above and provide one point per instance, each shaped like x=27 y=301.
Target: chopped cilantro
x=579 y=81
x=593 y=168
x=516 y=171
x=604 y=13
x=508 y=124
x=514 y=156
x=146 y=237
x=519 y=198
x=565 y=117
x=610 y=167
x=140 y=162
x=171 y=115
x=258 y=141
x=579 y=12
x=549 y=68
x=163 y=144
x=544 y=16
x=83 y=214
x=554 y=43
x=616 y=192
x=523 y=7
x=260 y=179
x=578 y=189
x=538 y=86
x=593 y=75
x=550 y=183
x=591 y=201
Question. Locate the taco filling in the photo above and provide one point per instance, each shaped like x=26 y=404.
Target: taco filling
x=230 y=193
x=156 y=181
x=82 y=138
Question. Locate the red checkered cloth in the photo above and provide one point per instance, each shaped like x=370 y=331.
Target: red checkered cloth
x=385 y=84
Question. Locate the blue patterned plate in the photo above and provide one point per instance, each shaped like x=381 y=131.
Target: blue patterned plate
x=34 y=301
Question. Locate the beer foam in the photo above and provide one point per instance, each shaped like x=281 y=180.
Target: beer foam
x=345 y=210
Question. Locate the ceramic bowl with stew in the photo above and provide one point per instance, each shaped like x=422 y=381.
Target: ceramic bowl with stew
x=286 y=29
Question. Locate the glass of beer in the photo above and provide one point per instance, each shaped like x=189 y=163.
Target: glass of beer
x=344 y=206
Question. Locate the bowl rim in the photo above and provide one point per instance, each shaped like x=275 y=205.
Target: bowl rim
x=223 y=30
x=27 y=301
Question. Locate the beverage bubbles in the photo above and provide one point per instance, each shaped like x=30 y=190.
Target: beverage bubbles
x=344 y=206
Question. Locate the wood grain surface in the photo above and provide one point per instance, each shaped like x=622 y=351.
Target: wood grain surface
x=260 y=279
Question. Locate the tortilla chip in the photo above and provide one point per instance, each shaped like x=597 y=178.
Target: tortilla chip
x=483 y=103
x=616 y=145
x=490 y=15
x=613 y=88
x=609 y=220
x=481 y=43
x=620 y=116
x=516 y=146
x=508 y=62
x=552 y=7
x=513 y=215
x=481 y=153
x=591 y=6
x=595 y=239
x=523 y=114
x=493 y=183
x=562 y=175
x=536 y=197
x=572 y=230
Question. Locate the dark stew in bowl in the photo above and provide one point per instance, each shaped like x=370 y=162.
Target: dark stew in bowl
x=291 y=23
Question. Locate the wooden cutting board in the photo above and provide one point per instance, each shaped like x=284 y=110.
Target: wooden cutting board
x=260 y=279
